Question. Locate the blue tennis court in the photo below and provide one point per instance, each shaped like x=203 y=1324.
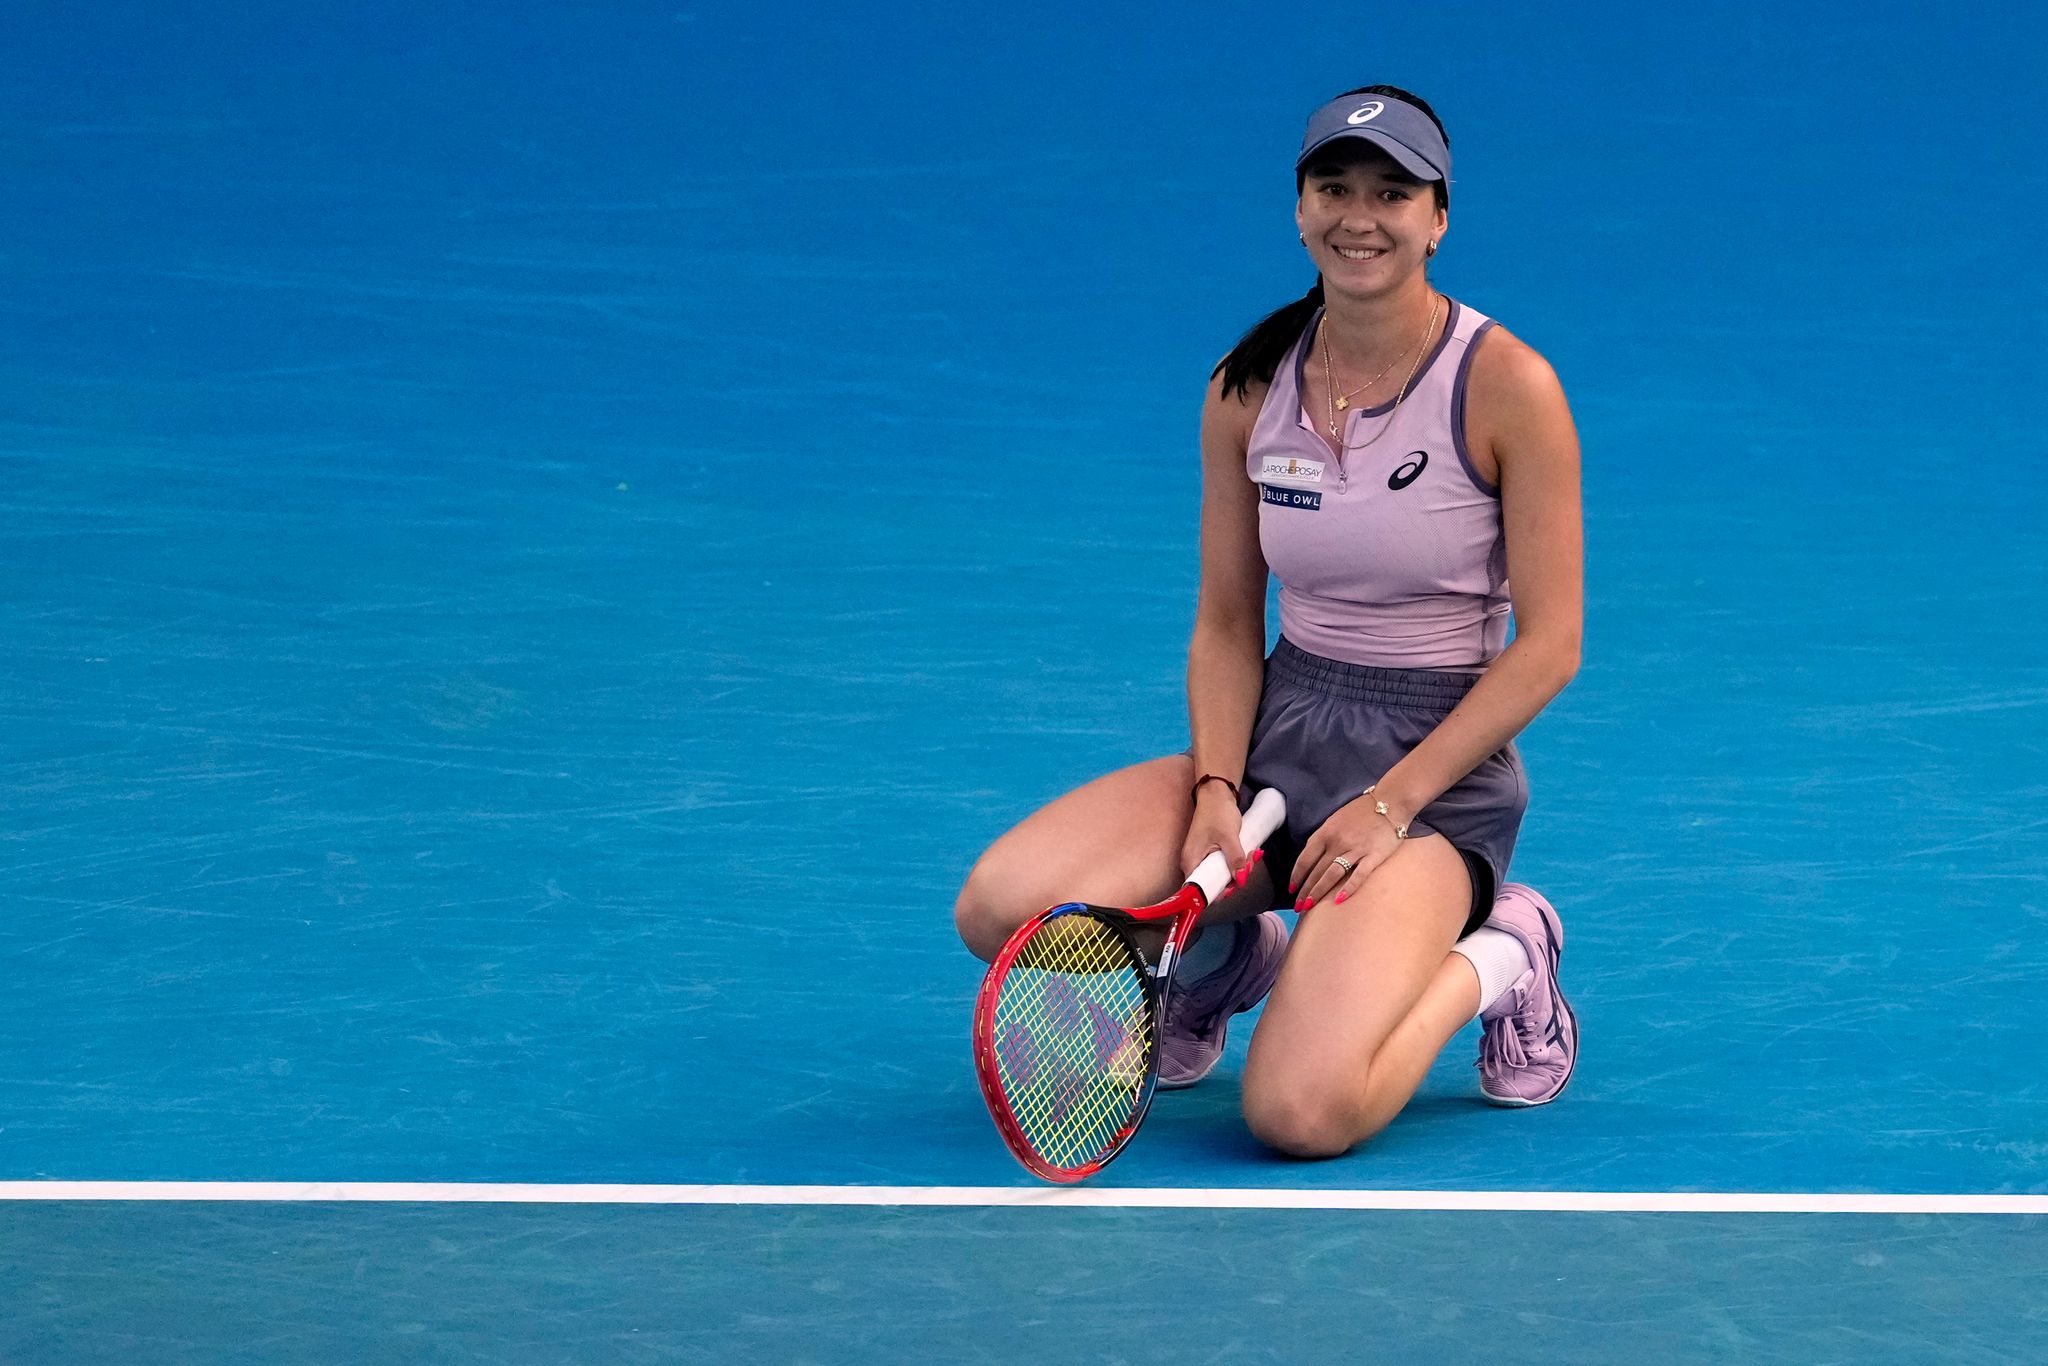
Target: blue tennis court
x=541 y=541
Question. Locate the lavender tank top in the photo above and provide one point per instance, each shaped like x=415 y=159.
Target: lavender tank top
x=1393 y=556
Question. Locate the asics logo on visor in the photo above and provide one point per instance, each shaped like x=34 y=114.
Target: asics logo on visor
x=1366 y=113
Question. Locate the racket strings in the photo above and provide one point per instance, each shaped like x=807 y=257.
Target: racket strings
x=1074 y=1040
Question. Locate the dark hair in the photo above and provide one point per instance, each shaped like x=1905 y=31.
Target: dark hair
x=1257 y=353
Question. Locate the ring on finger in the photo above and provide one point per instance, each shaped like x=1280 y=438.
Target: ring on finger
x=1346 y=864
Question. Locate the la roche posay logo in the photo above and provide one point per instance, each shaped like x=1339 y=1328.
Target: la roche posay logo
x=1366 y=113
x=1290 y=469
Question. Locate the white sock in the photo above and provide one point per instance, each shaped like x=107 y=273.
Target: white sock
x=1498 y=957
x=1211 y=947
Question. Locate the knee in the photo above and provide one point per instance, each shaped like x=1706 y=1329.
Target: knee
x=1301 y=1120
x=982 y=915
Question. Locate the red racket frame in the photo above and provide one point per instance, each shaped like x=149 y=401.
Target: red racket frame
x=1186 y=904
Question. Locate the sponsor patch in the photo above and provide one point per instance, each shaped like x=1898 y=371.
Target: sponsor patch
x=1291 y=470
x=1308 y=500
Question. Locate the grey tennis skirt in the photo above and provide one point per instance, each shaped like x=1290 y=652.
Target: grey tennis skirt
x=1326 y=729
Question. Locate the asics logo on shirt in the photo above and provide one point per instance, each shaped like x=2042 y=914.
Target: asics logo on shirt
x=1366 y=113
x=1410 y=472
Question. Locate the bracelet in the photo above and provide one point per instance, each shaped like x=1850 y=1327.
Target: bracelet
x=1400 y=831
x=1196 y=790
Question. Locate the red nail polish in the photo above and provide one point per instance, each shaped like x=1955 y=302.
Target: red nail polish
x=1339 y=901
x=1308 y=905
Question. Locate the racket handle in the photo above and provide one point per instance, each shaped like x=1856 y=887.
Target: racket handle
x=1267 y=810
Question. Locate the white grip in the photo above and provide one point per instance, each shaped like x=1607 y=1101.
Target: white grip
x=1268 y=809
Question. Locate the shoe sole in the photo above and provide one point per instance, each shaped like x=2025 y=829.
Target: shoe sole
x=1553 y=944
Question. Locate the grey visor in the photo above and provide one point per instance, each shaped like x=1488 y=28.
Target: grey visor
x=1396 y=127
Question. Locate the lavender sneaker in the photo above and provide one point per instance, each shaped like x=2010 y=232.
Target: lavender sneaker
x=1198 y=1012
x=1532 y=1037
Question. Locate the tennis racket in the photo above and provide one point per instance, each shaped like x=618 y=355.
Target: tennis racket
x=1066 y=1028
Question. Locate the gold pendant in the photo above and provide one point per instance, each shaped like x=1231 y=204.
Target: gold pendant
x=1342 y=403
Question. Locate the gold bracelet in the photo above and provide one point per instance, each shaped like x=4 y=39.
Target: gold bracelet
x=1400 y=831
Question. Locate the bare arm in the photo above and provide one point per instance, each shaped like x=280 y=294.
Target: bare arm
x=1520 y=412
x=1226 y=655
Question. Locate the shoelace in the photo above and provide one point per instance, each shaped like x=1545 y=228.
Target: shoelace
x=1500 y=1048
x=1181 y=1017
x=1509 y=1039
x=1186 y=1020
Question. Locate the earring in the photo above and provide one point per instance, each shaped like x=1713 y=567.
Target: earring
x=1429 y=250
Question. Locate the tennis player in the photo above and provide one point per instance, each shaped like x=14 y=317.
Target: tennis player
x=1396 y=459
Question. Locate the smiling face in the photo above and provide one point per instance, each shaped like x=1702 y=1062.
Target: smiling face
x=1367 y=223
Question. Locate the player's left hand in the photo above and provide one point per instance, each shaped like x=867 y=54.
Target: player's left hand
x=1356 y=833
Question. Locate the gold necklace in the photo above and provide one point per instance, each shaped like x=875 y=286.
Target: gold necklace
x=1343 y=400
x=1343 y=447
x=1334 y=403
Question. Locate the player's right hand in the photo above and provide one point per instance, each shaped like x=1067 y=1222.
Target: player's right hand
x=1214 y=826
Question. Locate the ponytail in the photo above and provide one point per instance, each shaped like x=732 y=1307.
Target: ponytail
x=1257 y=353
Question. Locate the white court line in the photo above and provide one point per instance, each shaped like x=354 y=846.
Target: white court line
x=1084 y=1197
